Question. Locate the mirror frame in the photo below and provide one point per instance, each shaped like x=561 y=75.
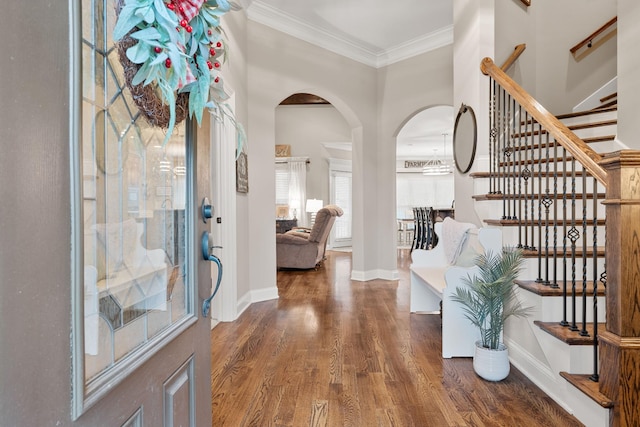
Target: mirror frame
x=464 y=166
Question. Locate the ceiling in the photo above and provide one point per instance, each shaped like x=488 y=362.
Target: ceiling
x=376 y=33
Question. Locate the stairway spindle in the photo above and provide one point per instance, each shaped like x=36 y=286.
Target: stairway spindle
x=574 y=234
x=585 y=255
x=564 y=321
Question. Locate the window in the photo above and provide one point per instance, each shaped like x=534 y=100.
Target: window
x=291 y=186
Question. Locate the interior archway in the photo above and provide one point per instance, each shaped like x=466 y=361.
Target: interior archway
x=424 y=141
x=310 y=128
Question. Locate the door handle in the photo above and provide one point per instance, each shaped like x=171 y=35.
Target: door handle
x=208 y=256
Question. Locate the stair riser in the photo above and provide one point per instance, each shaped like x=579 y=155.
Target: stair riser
x=591 y=118
x=494 y=209
x=550 y=308
x=512 y=236
x=530 y=271
x=577 y=359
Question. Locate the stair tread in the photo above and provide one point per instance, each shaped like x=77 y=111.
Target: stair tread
x=534 y=174
x=515 y=222
x=576 y=126
x=500 y=196
x=609 y=97
x=532 y=253
x=566 y=335
x=546 y=290
x=598 y=110
x=591 y=388
x=554 y=143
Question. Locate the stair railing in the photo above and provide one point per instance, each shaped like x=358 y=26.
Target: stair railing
x=550 y=182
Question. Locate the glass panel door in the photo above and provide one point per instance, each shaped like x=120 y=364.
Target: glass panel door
x=137 y=290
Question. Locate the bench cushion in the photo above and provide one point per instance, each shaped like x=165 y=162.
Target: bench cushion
x=432 y=276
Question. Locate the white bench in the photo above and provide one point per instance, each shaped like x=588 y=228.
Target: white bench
x=434 y=280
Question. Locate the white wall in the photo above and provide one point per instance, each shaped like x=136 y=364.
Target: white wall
x=279 y=66
x=235 y=72
x=473 y=22
x=405 y=88
x=550 y=28
x=628 y=66
x=374 y=104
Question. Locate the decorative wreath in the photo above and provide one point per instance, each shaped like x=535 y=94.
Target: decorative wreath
x=171 y=54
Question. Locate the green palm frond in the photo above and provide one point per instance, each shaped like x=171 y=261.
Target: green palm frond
x=489 y=297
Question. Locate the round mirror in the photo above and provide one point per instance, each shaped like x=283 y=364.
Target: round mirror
x=464 y=138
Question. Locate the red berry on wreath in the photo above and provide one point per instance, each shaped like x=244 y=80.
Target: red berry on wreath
x=189 y=28
x=212 y=51
x=218 y=44
x=209 y=64
x=217 y=65
x=184 y=23
x=209 y=32
x=181 y=8
x=167 y=63
x=171 y=6
x=217 y=79
x=157 y=49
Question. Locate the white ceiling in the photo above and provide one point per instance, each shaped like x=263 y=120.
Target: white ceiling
x=376 y=33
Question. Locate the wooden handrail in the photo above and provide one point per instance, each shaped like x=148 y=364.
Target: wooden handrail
x=574 y=145
x=592 y=36
x=514 y=55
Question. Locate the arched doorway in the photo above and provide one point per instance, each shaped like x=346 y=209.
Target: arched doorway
x=424 y=166
x=311 y=131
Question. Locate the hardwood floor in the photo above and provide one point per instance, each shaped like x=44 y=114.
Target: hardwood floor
x=332 y=352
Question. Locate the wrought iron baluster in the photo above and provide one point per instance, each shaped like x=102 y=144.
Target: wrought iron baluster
x=526 y=174
x=505 y=150
x=585 y=255
x=546 y=202
x=574 y=235
x=564 y=321
x=603 y=279
x=555 y=216
x=595 y=375
x=493 y=153
x=532 y=225
x=538 y=228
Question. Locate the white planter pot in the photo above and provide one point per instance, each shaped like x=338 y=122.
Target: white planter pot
x=492 y=365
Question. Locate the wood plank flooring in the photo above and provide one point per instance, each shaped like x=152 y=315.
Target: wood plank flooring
x=336 y=352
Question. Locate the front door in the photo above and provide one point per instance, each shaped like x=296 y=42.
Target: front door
x=145 y=357
x=104 y=325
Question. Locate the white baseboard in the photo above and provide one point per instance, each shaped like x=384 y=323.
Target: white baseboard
x=557 y=388
x=252 y=297
x=364 y=276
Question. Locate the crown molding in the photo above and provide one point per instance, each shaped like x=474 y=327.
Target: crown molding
x=359 y=52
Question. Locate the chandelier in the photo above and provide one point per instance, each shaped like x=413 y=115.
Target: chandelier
x=436 y=166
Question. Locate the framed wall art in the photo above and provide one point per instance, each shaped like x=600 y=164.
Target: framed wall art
x=242 y=173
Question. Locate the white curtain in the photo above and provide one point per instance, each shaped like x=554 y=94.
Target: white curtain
x=298 y=190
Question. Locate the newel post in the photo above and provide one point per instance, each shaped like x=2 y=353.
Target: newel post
x=620 y=343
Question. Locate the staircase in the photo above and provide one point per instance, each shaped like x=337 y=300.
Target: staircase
x=548 y=199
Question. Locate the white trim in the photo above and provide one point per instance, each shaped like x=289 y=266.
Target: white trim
x=243 y=304
x=365 y=276
x=223 y=188
x=353 y=49
x=593 y=100
x=265 y=294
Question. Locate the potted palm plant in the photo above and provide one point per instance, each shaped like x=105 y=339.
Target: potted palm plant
x=488 y=300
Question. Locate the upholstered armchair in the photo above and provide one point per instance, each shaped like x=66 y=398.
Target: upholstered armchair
x=304 y=248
